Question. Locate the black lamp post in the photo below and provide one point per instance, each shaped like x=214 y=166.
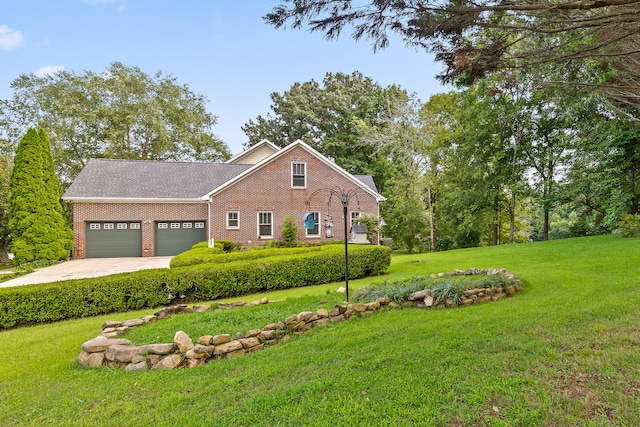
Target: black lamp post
x=345 y=198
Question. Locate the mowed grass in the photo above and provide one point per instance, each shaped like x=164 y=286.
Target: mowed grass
x=563 y=352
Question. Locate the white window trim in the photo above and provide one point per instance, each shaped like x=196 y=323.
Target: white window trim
x=258 y=224
x=232 y=227
x=174 y=225
x=318 y=226
x=199 y=224
x=134 y=226
x=353 y=216
x=108 y=226
x=305 y=175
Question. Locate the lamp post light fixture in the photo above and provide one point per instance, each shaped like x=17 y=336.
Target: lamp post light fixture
x=345 y=197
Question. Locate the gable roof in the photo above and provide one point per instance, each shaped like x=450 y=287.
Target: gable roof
x=368 y=187
x=148 y=180
x=368 y=181
x=261 y=149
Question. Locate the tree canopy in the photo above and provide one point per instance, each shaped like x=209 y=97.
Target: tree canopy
x=330 y=117
x=121 y=112
x=474 y=38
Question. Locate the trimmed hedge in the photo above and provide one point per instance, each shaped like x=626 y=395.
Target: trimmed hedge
x=195 y=256
x=50 y=302
x=204 y=256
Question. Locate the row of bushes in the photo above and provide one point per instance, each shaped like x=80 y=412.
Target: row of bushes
x=198 y=256
x=152 y=288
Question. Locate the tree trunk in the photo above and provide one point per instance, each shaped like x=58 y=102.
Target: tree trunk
x=432 y=220
x=512 y=217
x=496 y=221
x=545 y=233
x=631 y=179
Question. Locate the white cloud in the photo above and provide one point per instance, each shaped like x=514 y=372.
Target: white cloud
x=48 y=70
x=9 y=39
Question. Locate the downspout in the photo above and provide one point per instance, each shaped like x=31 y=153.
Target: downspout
x=209 y=222
x=378 y=215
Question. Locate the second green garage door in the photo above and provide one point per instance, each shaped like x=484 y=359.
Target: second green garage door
x=174 y=237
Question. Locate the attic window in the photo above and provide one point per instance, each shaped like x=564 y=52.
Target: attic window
x=298 y=175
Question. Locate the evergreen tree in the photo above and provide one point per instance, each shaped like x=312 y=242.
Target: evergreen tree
x=36 y=221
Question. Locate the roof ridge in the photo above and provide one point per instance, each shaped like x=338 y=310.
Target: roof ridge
x=184 y=162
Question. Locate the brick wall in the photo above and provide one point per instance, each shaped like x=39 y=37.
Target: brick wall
x=146 y=213
x=269 y=189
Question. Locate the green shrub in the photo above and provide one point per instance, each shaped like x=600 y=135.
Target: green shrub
x=444 y=243
x=194 y=257
x=448 y=289
x=630 y=225
x=229 y=246
x=441 y=288
x=396 y=290
x=289 y=232
x=199 y=255
x=152 y=288
x=205 y=245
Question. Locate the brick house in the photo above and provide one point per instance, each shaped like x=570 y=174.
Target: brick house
x=153 y=208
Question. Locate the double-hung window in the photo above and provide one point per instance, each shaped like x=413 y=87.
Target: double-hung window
x=315 y=231
x=233 y=219
x=265 y=225
x=298 y=175
x=354 y=217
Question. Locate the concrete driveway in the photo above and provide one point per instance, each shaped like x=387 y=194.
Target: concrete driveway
x=83 y=268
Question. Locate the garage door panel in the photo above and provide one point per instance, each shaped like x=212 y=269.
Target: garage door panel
x=174 y=237
x=113 y=239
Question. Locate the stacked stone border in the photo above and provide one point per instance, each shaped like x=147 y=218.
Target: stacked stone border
x=107 y=350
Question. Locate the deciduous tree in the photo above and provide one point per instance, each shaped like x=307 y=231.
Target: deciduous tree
x=121 y=112
x=327 y=116
x=476 y=38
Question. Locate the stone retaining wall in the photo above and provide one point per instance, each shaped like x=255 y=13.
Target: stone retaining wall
x=111 y=351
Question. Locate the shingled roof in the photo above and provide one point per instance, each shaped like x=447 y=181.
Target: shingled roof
x=155 y=181
x=147 y=179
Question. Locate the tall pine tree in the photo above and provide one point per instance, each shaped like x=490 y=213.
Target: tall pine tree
x=36 y=221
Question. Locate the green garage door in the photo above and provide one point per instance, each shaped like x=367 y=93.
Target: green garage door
x=113 y=239
x=174 y=237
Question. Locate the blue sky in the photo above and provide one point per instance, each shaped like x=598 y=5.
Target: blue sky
x=219 y=48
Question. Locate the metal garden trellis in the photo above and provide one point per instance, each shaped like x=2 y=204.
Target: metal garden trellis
x=345 y=197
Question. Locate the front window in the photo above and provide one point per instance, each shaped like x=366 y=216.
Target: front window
x=315 y=231
x=298 y=175
x=265 y=225
x=233 y=219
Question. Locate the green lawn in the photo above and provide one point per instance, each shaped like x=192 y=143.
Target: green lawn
x=565 y=351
